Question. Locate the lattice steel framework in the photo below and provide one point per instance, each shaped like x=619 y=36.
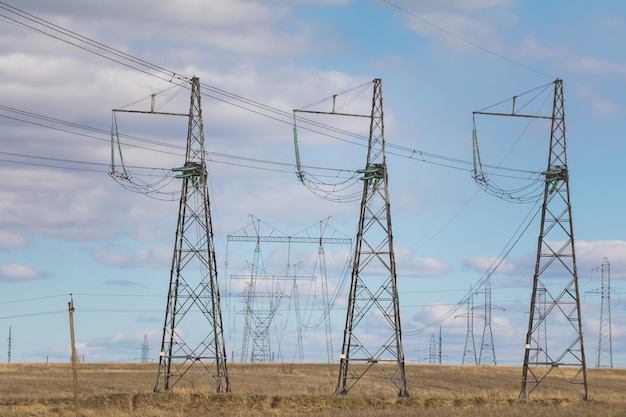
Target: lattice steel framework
x=555 y=262
x=433 y=350
x=260 y=309
x=10 y=343
x=487 y=355
x=145 y=350
x=605 y=337
x=193 y=299
x=541 y=332
x=373 y=290
x=469 y=353
x=259 y=314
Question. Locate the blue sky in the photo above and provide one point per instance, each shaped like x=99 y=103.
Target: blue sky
x=67 y=227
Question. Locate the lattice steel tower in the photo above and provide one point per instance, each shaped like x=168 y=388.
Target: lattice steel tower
x=469 y=353
x=145 y=350
x=433 y=350
x=261 y=307
x=259 y=315
x=10 y=342
x=373 y=288
x=192 y=331
x=605 y=339
x=556 y=261
x=487 y=354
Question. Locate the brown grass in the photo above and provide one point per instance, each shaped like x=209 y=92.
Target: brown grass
x=124 y=390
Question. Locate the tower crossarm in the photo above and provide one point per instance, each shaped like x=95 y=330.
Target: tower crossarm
x=290 y=239
x=276 y=277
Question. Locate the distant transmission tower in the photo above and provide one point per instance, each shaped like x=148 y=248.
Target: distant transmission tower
x=433 y=350
x=260 y=309
x=373 y=284
x=145 y=350
x=261 y=305
x=605 y=339
x=556 y=260
x=440 y=350
x=10 y=346
x=487 y=355
x=193 y=284
x=469 y=353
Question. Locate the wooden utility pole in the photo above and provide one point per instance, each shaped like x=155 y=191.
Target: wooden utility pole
x=74 y=357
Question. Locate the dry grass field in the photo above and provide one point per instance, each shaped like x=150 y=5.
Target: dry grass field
x=124 y=390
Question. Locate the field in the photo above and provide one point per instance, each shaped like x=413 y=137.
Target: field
x=123 y=390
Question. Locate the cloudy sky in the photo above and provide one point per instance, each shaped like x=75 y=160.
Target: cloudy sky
x=70 y=228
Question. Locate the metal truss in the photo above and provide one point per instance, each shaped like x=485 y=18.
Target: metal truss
x=555 y=263
x=605 y=338
x=261 y=306
x=373 y=312
x=193 y=300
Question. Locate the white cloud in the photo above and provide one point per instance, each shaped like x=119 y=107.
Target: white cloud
x=18 y=272
x=462 y=25
x=604 y=107
x=141 y=258
x=590 y=255
x=486 y=263
x=10 y=240
x=533 y=48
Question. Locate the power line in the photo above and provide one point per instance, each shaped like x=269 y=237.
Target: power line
x=33 y=299
x=473 y=44
x=87 y=44
x=402 y=151
x=521 y=230
x=43 y=313
x=100 y=49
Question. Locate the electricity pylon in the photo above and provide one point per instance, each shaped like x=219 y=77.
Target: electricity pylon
x=487 y=355
x=556 y=260
x=373 y=286
x=433 y=350
x=10 y=346
x=469 y=353
x=193 y=284
x=261 y=307
x=605 y=339
x=145 y=350
x=551 y=303
x=259 y=314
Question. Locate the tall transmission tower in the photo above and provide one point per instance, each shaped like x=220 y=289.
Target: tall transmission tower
x=487 y=355
x=551 y=304
x=440 y=350
x=605 y=339
x=261 y=305
x=193 y=284
x=10 y=342
x=260 y=309
x=469 y=353
x=556 y=260
x=373 y=283
x=433 y=350
x=145 y=350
